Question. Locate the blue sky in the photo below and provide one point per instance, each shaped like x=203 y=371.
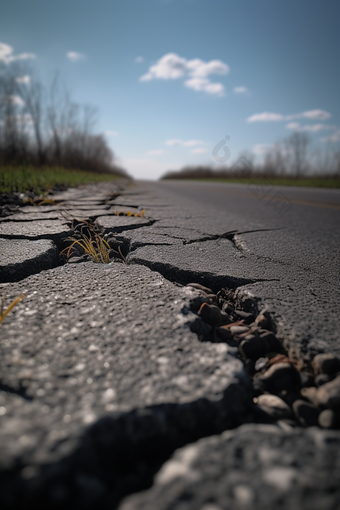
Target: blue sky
x=207 y=68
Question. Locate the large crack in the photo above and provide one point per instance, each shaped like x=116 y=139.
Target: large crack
x=119 y=455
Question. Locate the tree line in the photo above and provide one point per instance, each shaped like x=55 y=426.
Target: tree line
x=41 y=125
x=294 y=157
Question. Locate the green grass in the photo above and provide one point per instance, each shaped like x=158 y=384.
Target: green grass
x=313 y=182
x=41 y=180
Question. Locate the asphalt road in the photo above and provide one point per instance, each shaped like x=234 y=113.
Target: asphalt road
x=287 y=237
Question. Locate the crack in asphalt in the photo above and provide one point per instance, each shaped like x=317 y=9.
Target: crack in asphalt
x=139 y=442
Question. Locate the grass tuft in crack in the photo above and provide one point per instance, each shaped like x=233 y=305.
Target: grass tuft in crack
x=3 y=312
x=87 y=240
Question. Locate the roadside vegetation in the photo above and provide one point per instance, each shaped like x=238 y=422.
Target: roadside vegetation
x=292 y=162
x=41 y=180
x=46 y=138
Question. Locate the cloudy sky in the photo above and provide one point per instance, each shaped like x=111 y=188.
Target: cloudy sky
x=171 y=78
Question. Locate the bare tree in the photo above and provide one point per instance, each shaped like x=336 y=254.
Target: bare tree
x=296 y=149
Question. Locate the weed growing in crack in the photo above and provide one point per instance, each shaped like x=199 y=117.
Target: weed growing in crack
x=3 y=312
x=130 y=213
x=38 y=201
x=88 y=240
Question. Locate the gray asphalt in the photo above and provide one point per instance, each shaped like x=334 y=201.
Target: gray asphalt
x=105 y=369
x=287 y=236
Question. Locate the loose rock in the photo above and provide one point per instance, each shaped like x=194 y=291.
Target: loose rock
x=274 y=406
x=198 y=286
x=322 y=379
x=238 y=330
x=329 y=419
x=326 y=364
x=328 y=395
x=279 y=377
x=253 y=348
x=306 y=413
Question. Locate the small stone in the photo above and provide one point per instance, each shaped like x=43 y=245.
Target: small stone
x=253 y=349
x=326 y=364
x=260 y=363
x=212 y=315
x=224 y=335
x=279 y=377
x=238 y=330
x=198 y=286
x=321 y=379
x=247 y=317
x=202 y=329
x=306 y=413
x=329 y=419
x=272 y=342
x=197 y=302
x=262 y=321
x=328 y=395
x=306 y=379
x=274 y=406
x=310 y=394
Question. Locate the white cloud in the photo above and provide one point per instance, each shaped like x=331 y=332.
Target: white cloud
x=171 y=67
x=23 y=79
x=199 y=150
x=201 y=69
x=240 y=90
x=270 y=116
x=206 y=85
x=111 y=133
x=262 y=148
x=7 y=54
x=335 y=137
x=185 y=143
x=75 y=56
x=311 y=114
x=313 y=128
x=265 y=117
x=156 y=152
x=139 y=60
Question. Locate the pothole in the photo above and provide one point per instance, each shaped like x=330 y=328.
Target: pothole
x=285 y=386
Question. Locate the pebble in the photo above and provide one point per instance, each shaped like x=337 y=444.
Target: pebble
x=329 y=419
x=326 y=364
x=328 y=395
x=198 y=286
x=272 y=342
x=262 y=321
x=306 y=413
x=197 y=302
x=212 y=315
x=321 y=379
x=238 y=330
x=279 y=377
x=260 y=363
x=254 y=348
x=225 y=335
x=310 y=394
x=306 y=379
x=247 y=317
x=274 y=406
